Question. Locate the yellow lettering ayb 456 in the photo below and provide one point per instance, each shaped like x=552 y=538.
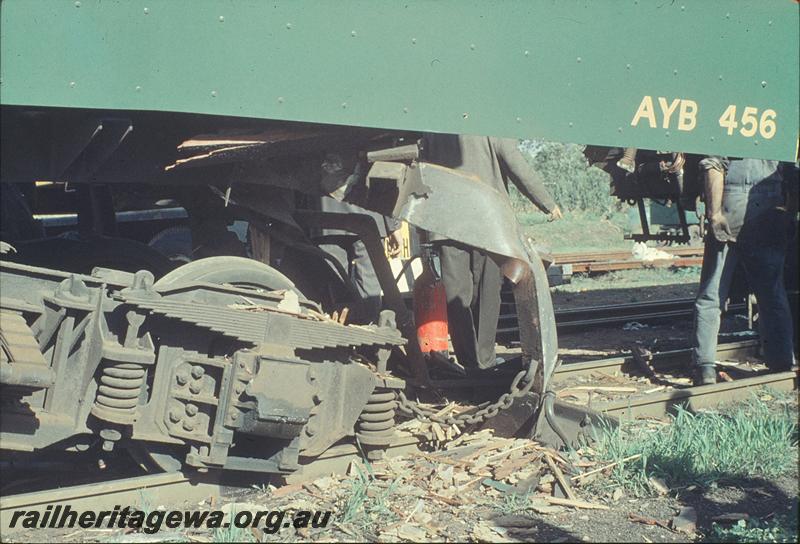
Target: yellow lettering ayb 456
x=681 y=113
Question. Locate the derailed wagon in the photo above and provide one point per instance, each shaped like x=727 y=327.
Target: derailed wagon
x=228 y=345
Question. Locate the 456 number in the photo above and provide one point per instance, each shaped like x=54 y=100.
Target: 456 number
x=750 y=122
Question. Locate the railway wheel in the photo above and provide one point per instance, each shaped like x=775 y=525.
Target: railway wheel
x=235 y=271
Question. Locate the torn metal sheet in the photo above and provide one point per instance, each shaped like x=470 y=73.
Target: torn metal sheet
x=459 y=207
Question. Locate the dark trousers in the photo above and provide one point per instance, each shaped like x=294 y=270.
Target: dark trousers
x=472 y=282
x=356 y=261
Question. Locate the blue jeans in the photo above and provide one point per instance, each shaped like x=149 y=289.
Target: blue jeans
x=763 y=262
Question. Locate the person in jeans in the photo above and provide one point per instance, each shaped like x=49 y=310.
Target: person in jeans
x=750 y=222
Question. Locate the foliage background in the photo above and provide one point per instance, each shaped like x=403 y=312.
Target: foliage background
x=574 y=184
x=593 y=219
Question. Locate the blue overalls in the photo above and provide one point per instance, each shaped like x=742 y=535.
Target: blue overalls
x=752 y=192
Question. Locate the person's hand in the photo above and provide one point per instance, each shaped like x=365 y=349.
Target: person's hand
x=395 y=243
x=556 y=214
x=720 y=227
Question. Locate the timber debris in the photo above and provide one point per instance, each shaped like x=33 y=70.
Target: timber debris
x=476 y=487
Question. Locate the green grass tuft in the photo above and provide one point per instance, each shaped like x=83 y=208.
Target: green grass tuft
x=366 y=502
x=514 y=503
x=751 y=439
x=781 y=529
x=233 y=534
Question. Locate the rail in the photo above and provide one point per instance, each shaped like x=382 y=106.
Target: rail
x=612 y=261
x=612 y=314
x=153 y=489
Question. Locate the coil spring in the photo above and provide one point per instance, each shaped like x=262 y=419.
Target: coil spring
x=375 y=425
x=118 y=394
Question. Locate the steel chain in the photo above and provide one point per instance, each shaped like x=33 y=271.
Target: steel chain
x=410 y=407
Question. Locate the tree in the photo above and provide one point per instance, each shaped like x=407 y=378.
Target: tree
x=574 y=184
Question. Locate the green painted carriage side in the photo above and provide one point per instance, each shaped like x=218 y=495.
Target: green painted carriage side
x=571 y=70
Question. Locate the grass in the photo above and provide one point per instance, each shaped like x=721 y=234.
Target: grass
x=145 y=504
x=513 y=503
x=779 y=529
x=367 y=502
x=578 y=231
x=233 y=534
x=751 y=439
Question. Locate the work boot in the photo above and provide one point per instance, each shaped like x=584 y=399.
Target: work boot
x=705 y=375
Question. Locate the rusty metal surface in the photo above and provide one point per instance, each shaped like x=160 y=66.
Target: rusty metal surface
x=603 y=256
x=634 y=264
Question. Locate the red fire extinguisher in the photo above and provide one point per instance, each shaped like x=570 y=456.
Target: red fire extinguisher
x=430 y=309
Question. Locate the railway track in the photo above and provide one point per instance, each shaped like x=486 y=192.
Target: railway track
x=655 y=404
x=601 y=256
x=611 y=314
x=609 y=261
x=142 y=492
x=697 y=397
x=576 y=420
x=661 y=361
